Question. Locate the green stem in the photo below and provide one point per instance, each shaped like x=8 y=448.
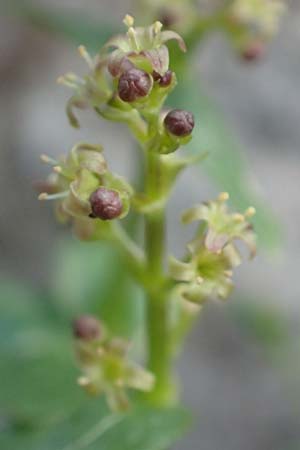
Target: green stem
x=159 y=348
x=134 y=255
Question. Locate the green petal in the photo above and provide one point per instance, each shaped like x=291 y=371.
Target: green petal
x=181 y=271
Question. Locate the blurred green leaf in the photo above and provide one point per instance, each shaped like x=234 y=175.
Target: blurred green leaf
x=264 y=323
x=142 y=429
x=92 y=278
x=77 y=27
x=225 y=163
x=37 y=365
x=38 y=389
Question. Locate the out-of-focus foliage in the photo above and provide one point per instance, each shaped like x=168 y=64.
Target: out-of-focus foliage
x=41 y=407
x=93 y=278
x=266 y=325
x=70 y=25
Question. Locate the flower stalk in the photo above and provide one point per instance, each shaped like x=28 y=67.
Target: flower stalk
x=158 y=333
x=129 y=81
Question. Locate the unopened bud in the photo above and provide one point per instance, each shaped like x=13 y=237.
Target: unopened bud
x=179 y=122
x=106 y=204
x=168 y=18
x=253 y=51
x=134 y=84
x=163 y=80
x=87 y=328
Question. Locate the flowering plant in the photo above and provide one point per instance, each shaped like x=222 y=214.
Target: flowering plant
x=129 y=81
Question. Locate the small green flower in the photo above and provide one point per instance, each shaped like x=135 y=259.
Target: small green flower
x=93 y=90
x=106 y=368
x=222 y=227
x=142 y=47
x=212 y=256
x=205 y=274
x=264 y=15
x=75 y=178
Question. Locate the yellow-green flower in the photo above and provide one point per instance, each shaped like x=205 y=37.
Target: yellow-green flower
x=106 y=368
x=212 y=255
x=141 y=47
x=221 y=226
x=75 y=178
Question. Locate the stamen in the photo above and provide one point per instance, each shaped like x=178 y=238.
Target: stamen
x=157 y=27
x=223 y=197
x=199 y=280
x=239 y=218
x=250 y=212
x=48 y=160
x=128 y=21
x=83 y=381
x=57 y=169
x=132 y=36
x=44 y=196
x=228 y=273
x=86 y=56
x=71 y=80
x=63 y=171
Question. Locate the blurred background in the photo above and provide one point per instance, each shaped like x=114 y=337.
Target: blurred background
x=240 y=368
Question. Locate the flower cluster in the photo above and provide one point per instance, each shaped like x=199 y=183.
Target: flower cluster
x=254 y=23
x=249 y=23
x=213 y=254
x=84 y=189
x=131 y=72
x=129 y=81
x=106 y=368
x=262 y=15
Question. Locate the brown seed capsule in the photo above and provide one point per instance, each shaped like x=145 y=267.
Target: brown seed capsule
x=106 y=204
x=134 y=84
x=163 y=80
x=87 y=328
x=179 y=122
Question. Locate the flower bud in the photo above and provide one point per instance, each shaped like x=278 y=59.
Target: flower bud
x=163 y=80
x=106 y=204
x=86 y=328
x=253 y=52
x=133 y=85
x=179 y=122
x=168 y=18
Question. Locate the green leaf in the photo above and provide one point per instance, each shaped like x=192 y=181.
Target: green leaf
x=37 y=365
x=92 y=278
x=262 y=322
x=78 y=28
x=226 y=164
x=142 y=429
x=38 y=389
